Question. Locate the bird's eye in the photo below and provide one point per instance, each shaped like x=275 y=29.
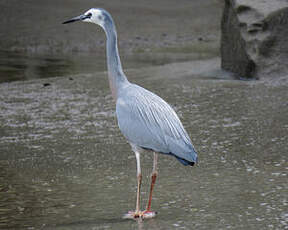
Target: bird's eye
x=89 y=15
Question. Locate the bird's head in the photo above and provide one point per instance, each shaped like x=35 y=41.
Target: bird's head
x=94 y=15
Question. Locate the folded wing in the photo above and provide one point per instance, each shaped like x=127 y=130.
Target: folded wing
x=148 y=121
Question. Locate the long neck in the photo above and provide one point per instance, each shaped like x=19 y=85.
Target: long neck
x=115 y=71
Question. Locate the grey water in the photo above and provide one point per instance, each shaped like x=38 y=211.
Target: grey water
x=15 y=66
x=65 y=165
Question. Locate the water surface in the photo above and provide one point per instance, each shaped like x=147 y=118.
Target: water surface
x=65 y=165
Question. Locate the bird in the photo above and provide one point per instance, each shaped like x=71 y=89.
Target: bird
x=147 y=121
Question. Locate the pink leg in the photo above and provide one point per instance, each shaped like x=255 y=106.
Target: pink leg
x=137 y=213
x=147 y=213
x=153 y=180
x=139 y=180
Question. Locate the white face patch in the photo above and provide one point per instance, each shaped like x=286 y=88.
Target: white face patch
x=97 y=16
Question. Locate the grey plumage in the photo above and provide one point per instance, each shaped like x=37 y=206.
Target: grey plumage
x=147 y=121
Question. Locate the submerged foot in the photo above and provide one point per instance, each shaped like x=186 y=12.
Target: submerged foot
x=140 y=214
x=148 y=214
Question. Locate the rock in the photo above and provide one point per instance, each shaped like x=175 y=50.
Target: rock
x=254 y=42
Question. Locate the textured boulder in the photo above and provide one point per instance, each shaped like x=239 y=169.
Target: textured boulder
x=254 y=41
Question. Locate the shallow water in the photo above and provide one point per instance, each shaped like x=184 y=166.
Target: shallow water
x=65 y=165
x=15 y=66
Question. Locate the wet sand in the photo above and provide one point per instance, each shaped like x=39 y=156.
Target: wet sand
x=34 y=43
x=35 y=26
x=65 y=165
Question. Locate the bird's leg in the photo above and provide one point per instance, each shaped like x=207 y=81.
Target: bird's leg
x=148 y=212
x=137 y=213
x=153 y=180
x=139 y=180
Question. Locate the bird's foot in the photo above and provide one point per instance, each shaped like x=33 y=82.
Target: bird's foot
x=148 y=214
x=140 y=214
x=132 y=215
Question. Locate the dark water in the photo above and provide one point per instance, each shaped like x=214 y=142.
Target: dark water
x=65 y=165
x=15 y=66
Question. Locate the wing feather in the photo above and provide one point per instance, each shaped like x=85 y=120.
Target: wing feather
x=148 y=121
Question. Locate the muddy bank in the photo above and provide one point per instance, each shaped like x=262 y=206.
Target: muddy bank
x=35 y=26
x=34 y=43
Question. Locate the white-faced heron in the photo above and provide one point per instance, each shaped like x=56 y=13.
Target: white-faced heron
x=145 y=119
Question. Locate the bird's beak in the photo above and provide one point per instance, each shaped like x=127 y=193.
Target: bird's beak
x=78 y=18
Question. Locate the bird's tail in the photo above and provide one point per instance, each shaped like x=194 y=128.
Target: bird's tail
x=191 y=158
x=185 y=162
